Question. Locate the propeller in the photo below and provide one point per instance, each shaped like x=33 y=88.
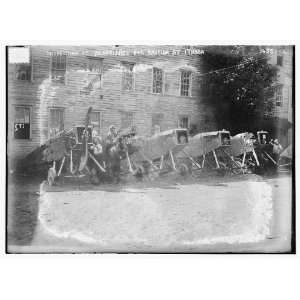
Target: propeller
x=85 y=154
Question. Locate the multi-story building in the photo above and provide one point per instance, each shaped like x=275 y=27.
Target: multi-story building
x=51 y=88
x=282 y=99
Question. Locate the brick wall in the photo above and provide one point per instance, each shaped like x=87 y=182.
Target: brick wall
x=42 y=94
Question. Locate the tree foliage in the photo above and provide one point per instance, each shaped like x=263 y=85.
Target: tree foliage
x=239 y=81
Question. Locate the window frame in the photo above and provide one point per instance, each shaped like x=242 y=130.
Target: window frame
x=99 y=112
x=30 y=121
x=205 y=88
x=122 y=112
x=161 y=118
x=94 y=58
x=281 y=60
x=30 y=67
x=51 y=72
x=124 y=72
x=94 y=73
x=163 y=82
x=30 y=75
x=190 y=83
x=279 y=96
x=49 y=115
x=181 y=116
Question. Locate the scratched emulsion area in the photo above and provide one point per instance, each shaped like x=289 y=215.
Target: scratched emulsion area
x=161 y=218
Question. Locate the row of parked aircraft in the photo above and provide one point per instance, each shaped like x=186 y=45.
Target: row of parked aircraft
x=73 y=152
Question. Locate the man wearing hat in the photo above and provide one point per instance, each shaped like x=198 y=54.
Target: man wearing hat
x=111 y=138
x=112 y=135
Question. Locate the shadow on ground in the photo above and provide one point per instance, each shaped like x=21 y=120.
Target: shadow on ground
x=22 y=210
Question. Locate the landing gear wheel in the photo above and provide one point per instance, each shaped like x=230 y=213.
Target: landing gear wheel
x=238 y=169
x=94 y=177
x=222 y=170
x=153 y=174
x=139 y=171
x=183 y=169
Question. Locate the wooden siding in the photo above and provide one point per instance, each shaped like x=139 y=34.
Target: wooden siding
x=41 y=94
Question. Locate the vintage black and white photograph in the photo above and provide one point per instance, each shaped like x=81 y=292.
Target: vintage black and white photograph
x=150 y=148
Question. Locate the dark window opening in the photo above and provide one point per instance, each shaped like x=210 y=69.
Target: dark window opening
x=23 y=71
x=278 y=96
x=182 y=137
x=183 y=122
x=126 y=120
x=157 y=120
x=206 y=87
x=127 y=81
x=95 y=69
x=58 y=67
x=96 y=122
x=185 y=83
x=95 y=65
x=22 y=123
x=279 y=60
x=157 y=81
x=56 y=121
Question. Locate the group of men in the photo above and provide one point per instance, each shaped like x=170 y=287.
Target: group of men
x=110 y=140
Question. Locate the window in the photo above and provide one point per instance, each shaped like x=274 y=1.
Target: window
x=94 y=79
x=22 y=123
x=21 y=59
x=127 y=81
x=157 y=81
x=95 y=121
x=126 y=119
x=157 y=120
x=185 y=83
x=279 y=60
x=204 y=87
x=183 y=122
x=58 y=67
x=56 y=121
x=278 y=96
x=182 y=136
x=268 y=107
x=23 y=71
x=95 y=65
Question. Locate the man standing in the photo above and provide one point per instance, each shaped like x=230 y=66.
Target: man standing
x=111 y=138
x=112 y=135
x=277 y=149
x=97 y=143
x=113 y=157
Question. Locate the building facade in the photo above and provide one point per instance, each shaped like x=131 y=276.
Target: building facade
x=281 y=106
x=282 y=57
x=139 y=86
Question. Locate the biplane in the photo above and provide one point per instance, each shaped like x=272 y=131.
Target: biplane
x=242 y=149
x=209 y=150
x=76 y=152
x=254 y=152
x=264 y=148
x=70 y=152
x=156 y=153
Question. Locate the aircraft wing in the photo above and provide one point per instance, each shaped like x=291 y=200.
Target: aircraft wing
x=155 y=146
x=241 y=143
x=287 y=152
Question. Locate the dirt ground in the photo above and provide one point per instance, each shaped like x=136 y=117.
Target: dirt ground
x=245 y=213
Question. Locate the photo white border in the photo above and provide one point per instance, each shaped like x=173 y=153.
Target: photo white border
x=147 y=276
